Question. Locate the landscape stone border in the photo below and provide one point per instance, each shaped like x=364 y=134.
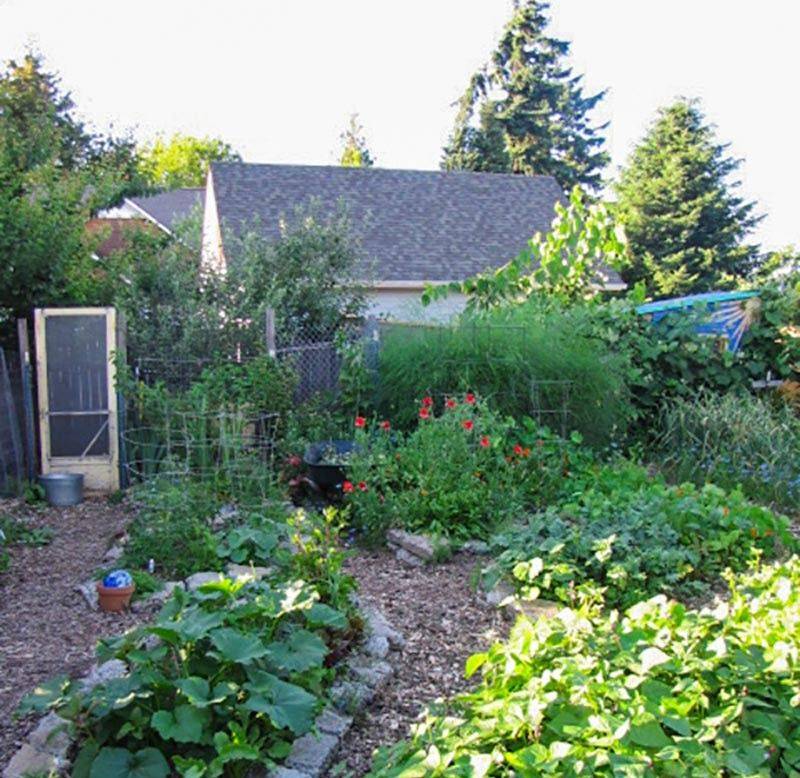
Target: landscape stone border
x=364 y=674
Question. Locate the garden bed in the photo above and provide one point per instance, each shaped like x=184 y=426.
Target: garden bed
x=443 y=622
x=45 y=626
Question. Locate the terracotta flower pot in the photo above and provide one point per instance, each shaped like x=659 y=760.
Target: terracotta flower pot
x=114 y=599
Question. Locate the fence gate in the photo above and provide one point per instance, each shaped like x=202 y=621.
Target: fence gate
x=77 y=397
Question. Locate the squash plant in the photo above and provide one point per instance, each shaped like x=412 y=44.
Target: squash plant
x=661 y=691
x=226 y=677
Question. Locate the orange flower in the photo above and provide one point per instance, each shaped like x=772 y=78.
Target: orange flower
x=526 y=452
x=424 y=413
x=468 y=425
x=518 y=450
x=347 y=487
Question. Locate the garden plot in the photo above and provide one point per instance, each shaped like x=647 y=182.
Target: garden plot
x=46 y=627
x=442 y=621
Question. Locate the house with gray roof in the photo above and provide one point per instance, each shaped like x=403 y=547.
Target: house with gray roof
x=163 y=210
x=415 y=227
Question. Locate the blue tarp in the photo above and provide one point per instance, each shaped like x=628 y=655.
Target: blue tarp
x=720 y=314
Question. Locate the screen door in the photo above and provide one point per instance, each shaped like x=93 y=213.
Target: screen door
x=77 y=398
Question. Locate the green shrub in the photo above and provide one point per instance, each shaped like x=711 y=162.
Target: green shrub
x=173 y=527
x=636 y=537
x=661 y=691
x=523 y=360
x=237 y=672
x=734 y=439
x=462 y=472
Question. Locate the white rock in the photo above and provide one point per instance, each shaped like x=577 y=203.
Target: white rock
x=332 y=723
x=246 y=571
x=198 y=579
x=377 y=646
x=312 y=753
x=408 y=558
x=418 y=545
x=377 y=624
x=373 y=672
x=29 y=761
x=51 y=736
x=113 y=554
x=478 y=547
x=88 y=590
x=108 y=671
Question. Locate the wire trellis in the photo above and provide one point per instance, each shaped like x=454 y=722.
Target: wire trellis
x=233 y=451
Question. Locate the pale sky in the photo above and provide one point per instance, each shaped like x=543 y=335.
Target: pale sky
x=277 y=79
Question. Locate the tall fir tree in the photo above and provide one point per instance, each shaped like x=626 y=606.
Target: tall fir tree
x=525 y=112
x=684 y=221
x=354 y=150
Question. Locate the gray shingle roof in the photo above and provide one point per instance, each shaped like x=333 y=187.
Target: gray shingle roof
x=420 y=225
x=167 y=208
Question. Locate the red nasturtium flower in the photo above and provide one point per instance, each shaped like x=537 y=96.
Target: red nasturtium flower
x=347 y=487
x=469 y=398
x=361 y=421
x=424 y=413
x=385 y=426
x=294 y=461
x=427 y=402
x=450 y=403
x=518 y=450
x=362 y=486
x=468 y=425
x=485 y=442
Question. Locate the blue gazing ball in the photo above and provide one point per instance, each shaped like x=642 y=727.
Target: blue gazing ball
x=118 y=579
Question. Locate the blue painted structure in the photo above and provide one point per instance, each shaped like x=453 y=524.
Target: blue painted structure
x=720 y=314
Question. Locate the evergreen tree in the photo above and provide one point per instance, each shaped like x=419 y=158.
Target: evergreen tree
x=355 y=152
x=685 y=223
x=525 y=112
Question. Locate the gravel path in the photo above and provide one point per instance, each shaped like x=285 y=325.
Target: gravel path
x=443 y=622
x=46 y=628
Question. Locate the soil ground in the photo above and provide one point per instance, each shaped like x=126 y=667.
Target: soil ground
x=46 y=627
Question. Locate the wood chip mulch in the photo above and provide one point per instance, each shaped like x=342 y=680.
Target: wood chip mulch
x=46 y=628
x=443 y=621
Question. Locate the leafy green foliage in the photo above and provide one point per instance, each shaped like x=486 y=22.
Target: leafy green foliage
x=663 y=690
x=173 y=528
x=533 y=115
x=459 y=474
x=734 y=439
x=684 y=220
x=53 y=173
x=636 y=536
x=182 y=160
x=524 y=360
x=223 y=680
x=564 y=264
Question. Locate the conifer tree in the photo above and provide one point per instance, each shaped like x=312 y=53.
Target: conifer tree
x=525 y=111
x=684 y=221
x=355 y=152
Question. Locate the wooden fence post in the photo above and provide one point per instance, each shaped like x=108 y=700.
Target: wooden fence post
x=269 y=332
x=29 y=434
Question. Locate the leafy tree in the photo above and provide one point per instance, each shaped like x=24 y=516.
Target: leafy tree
x=355 y=152
x=684 y=221
x=525 y=112
x=53 y=173
x=179 y=311
x=182 y=160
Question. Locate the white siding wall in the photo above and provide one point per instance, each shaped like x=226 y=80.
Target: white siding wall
x=212 y=236
x=405 y=305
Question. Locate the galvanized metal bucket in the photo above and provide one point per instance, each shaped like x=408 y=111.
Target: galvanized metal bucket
x=62 y=488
